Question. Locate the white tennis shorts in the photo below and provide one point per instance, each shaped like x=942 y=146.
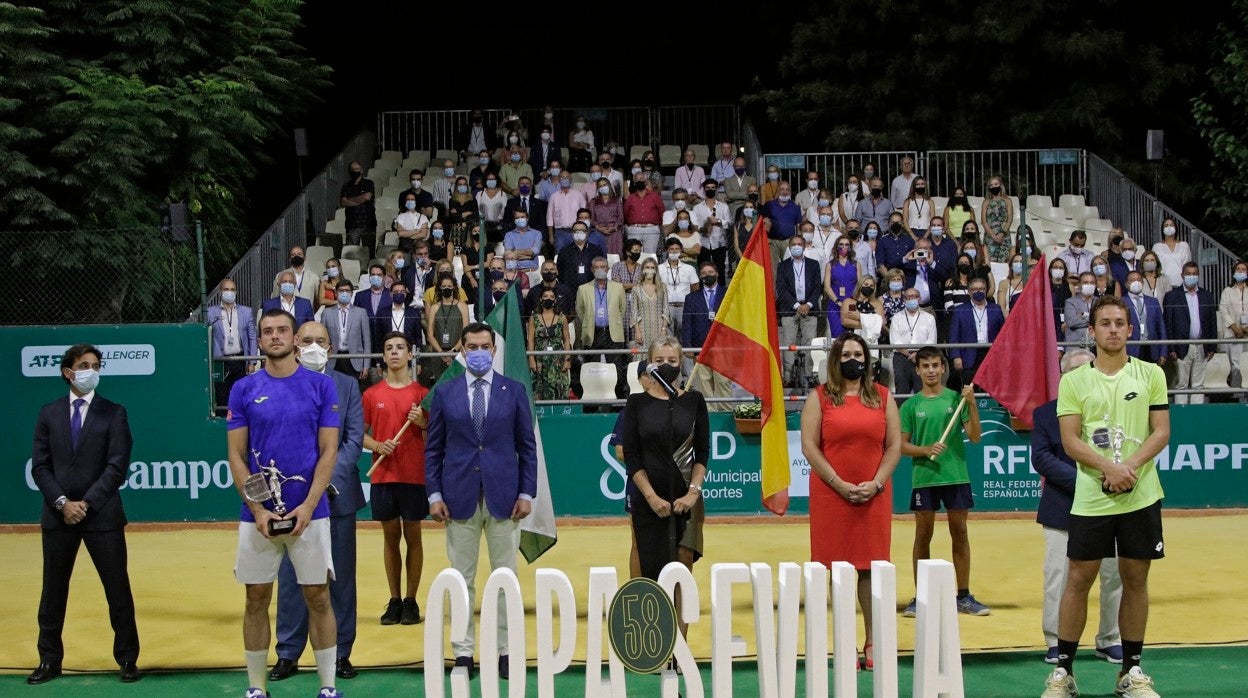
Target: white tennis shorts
x=259 y=558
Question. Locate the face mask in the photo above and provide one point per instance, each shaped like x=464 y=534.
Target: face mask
x=868 y=174
x=797 y=252
x=853 y=234
x=784 y=197
x=548 y=116
x=709 y=280
x=669 y=373
x=971 y=252
x=484 y=160
x=356 y=174
x=1135 y=287
x=227 y=297
x=510 y=264
x=491 y=183
x=565 y=184
x=437 y=233
x=375 y=281
x=398 y=298
x=554 y=171
x=422 y=262
x=1239 y=276
x=812 y=184
x=497 y=295
x=447 y=292
x=416 y=184
x=548 y=303
x=853 y=187
x=632 y=255
x=937 y=231
x=313 y=357
x=773 y=176
x=515 y=157
x=853 y=369
x=825 y=220
x=604 y=190
x=580 y=124
x=409 y=205
x=648 y=164
x=979 y=296
x=1128 y=255
x=1150 y=266
x=1087 y=289
x=710 y=193
x=1191 y=280
x=994 y=190
x=449 y=172
x=682 y=224
x=872 y=233
x=673 y=256
x=912 y=304
x=462 y=188
x=1057 y=274
x=842 y=251
x=445 y=274
x=648 y=272
x=920 y=190
x=1098 y=269
x=525 y=189
x=868 y=291
x=296 y=261
x=579 y=237
x=752 y=197
x=636 y=171
x=545 y=137
x=964 y=269
x=895 y=286
x=600 y=274
x=747 y=212
x=739 y=170
x=1017 y=268
x=479 y=361
x=496 y=274
x=895 y=228
x=1168 y=230
x=679 y=204
x=287 y=289
x=824 y=202
x=876 y=191
x=549 y=276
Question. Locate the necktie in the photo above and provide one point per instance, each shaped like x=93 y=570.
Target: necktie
x=1139 y=316
x=524 y=203
x=75 y=422
x=478 y=406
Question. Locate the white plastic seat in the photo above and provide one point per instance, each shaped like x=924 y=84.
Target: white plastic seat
x=357 y=252
x=315 y=256
x=819 y=358
x=350 y=269
x=635 y=153
x=598 y=380
x=701 y=154
x=1218 y=371
x=634 y=385
x=612 y=259
x=670 y=155
x=391 y=238
x=1067 y=200
x=1039 y=201
x=446 y=154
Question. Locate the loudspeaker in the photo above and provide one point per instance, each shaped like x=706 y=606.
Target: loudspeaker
x=1154 y=145
x=301 y=142
x=175 y=222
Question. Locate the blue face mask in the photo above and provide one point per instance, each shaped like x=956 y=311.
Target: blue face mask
x=483 y=160
x=825 y=220
x=1191 y=280
x=411 y=205
x=515 y=157
x=479 y=361
x=462 y=188
x=872 y=233
x=1017 y=267
x=565 y=184
x=344 y=297
x=288 y=289
x=522 y=223
x=683 y=225
x=375 y=281
x=554 y=171
x=912 y=304
x=399 y=262
x=449 y=172
x=437 y=233
x=895 y=286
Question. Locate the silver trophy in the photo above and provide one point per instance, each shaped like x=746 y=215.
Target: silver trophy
x=1111 y=438
x=266 y=485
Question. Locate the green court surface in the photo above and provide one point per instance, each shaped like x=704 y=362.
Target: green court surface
x=1179 y=672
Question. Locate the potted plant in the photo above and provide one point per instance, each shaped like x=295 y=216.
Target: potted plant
x=749 y=417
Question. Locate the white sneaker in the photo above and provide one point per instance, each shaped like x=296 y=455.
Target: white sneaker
x=1135 y=684
x=1060 y=685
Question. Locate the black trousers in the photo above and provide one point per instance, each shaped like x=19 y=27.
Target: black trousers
x=232 y=371
x=108 y=552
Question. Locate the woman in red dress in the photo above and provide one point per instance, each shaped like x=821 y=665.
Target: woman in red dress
x=851 y=436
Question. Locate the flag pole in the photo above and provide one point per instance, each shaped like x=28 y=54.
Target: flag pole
x=952 y=421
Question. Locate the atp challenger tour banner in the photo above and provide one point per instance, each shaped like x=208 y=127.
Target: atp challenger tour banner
x=179 y=472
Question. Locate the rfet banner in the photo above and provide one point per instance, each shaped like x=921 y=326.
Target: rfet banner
x=178 y=469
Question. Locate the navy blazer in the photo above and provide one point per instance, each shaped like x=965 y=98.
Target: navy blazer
x=962 y=330
x=383 y=324
x=303 y=309
x=537 y=213
x=246 y=327
x=539 y=163
x=93 y=472
x=346 y=477
x=501 y=464
x=786 y=290
x=1049 y=459
x=696 y=318
x=1154 y=323
x=1179 y=320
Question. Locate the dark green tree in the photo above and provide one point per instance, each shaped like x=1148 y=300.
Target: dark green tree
x=1221 y=114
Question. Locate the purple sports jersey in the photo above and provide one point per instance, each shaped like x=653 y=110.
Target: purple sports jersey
x=282 y=417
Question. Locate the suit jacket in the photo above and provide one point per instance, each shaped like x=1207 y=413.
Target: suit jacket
x=346 y=478
x=962 y=330
x=311 y=284
x=501 y=464
x=246 y=330
x=303 y=309
x=540 y=162
x=585 y=308
x=1058 y=469
x=93 y=472
x=696 y=316
x=360 y=332
x=364 y=299
x=537 y=213
x=1154 y=324
x=734 y=193
x=786 y=291
x=1179 y=320
x=412 y=327
x=1077 y=313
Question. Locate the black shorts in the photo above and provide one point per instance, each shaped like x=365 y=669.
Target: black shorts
x=399 y=500
x=1135 y=535
x=954 y=497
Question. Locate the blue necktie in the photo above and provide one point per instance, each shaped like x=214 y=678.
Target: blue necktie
x=478 y=406
x=75 y=422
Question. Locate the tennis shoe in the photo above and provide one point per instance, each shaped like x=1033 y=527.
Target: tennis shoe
x=1135 y=684
x=1060 y=685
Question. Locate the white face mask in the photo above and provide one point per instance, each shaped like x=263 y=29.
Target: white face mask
x=1136 y=287
x=1168 y=230
x=673 y=256
x=1128 y=255
x=313 y=357
x=227 y=297
x=1087 y=289
x=86 y=380
x=679 y=204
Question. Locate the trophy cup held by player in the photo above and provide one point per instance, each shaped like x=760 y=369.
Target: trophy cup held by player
x=1111 y=438
x=266 y=485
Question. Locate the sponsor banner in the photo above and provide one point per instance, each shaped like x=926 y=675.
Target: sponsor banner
x=115 y=360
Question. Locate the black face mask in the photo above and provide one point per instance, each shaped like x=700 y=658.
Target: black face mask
x=964 y=269
x=994 y=190
x=957 y=200
x=853 y=369
x=876 y=191
x=710 y=193
x=498 y=295
x=669 y=373
x=868 y=291
x=356 y=174
x=648 y=164
x=970 y=235
x=548 y=303
x=920 y=190
x=634 y=256
x=296 y=261
x=637 y=186
x=853 y=234
x=446 y=275
x=496 y=274
x=753 y=196
x=709 y=280
x=895 y=227
x=550 y=276
x=447 y=292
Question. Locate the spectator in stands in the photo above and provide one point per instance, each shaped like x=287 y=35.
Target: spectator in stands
x=771 y=187
x=586 y=217
x=711 y=216
x=1105 y=284
x=512 y=170
x=680 y=279
x=680 y=202
x=903 y=185
x=511 y=125
x=600 y=307
x=650 y=168
x=724 y=167
x=416 y=184
x=287 y=299
x=328 y=293
x=647 y=307
x=923 y=273
x=808 y=197
x=411 y=224
x=976 y=322
x=524 y=242
x=376 y=301
x=351 y=331
x=627 y=272
x=512 y=274
x=590 y=186
x=439 y=246
x=476 y=138
x=1060 y=290
x=305 y=279
x=545 y=153
x=643 y=213
x=1028 y=241
x=823 y=199
x=233 y=334
x=975 y=251
x=447 y=317
x=581 y=150
x=491 y=202
x=911 y=326
x=462 y=213
x=1191 y=313
x=864 y=244
x=564 y=294
x=576 y=258
x=498 y=289
x=548 y=330
x=892 y=248
x=1078 y=310
x=356 y=196
x=943 y=246
x=690 y=176
x=532 y=206
x=1077 y=257
x=443 y=186
x=1172 y=253
x=617 y=156
x=956 y=290
x=997 y=213
x=735 y=186
x=823 y=235
x=798 y=291
x=549 y=185
x=892 y=286
x=781 y=216
x=699 y=313
x=1011 y=287
x=396 y=264
x=1114 y=253
x=1147 y=321
x=864 y=315
x=612 y=173
x=840 y=282
x=417 y=276
x=1233 y=314
x=1126 y=262
x=917 y=207
x=958 y=210
x=1156 y=283
x=484 y=170
x=875 y=207
x=607 y=213
x=847 y=202
x=548 y=124
x=682 y=228
x=561 y=212
x=403 y=318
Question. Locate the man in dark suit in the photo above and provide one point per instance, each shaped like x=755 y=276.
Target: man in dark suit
x=402 y=318
x=976 y=322
x=346 y=498
x=1050 y=460
x=546 y=149
x=476 y=136
x=233 y=334
x=287 y=299
x=798 y=290
x=480 y=470
x=1147 y=320
x=696 y=318
x=79 y=460
x=376 y=301
x=1191 y=313
x=525 y=200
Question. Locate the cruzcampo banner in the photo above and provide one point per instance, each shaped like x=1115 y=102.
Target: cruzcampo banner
x=178 y=469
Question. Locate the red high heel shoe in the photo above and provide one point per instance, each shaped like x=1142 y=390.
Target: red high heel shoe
x=867 y=660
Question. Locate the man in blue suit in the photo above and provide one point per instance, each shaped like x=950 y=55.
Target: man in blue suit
x=233 y=334
x=1191 y=313
x=286 y=300
x=696 y=318
x=1147 y=321
x=799 y=289
x=346 y=496
x=977 y=322
x=376 y=301
x=480 y=470
x=1050 y=460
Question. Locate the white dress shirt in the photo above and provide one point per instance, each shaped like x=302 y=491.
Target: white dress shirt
x=86 y=406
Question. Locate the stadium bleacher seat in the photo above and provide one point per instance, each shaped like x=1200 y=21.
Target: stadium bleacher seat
x=612 y=259
x=316 y=255
x=357 y=252
x=634 y=385
x=1066 y=200
x=702 y=155
x=564 y=154
x=390 y=238
x=1217 y=371
x=598 y=380
x=977 y=203
x=350 y=268
x=819 y=359
x=337 y=228
x=635 y=153
x=939 y=203
x=445 y=154
x=383 y=251
x=670 y=155
x=1039 y=201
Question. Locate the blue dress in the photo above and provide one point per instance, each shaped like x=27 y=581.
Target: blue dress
x=844 y=278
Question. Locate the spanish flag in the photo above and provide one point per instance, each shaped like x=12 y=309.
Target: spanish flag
x=742 y=345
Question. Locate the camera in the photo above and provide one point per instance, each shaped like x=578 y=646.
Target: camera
x=920 y=254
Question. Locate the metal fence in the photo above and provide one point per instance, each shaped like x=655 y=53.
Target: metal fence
x=835 y=168
x=1023 y=172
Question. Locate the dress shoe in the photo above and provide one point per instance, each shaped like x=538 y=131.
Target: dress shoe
x=465 y=662
x=284 y=669
x=129 y=672
x=43 y=674
x=345 y=670
x=504 y=666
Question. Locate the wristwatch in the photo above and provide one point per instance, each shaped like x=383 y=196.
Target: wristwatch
x=696 y=488
x=59 y=504
x=880 y=488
